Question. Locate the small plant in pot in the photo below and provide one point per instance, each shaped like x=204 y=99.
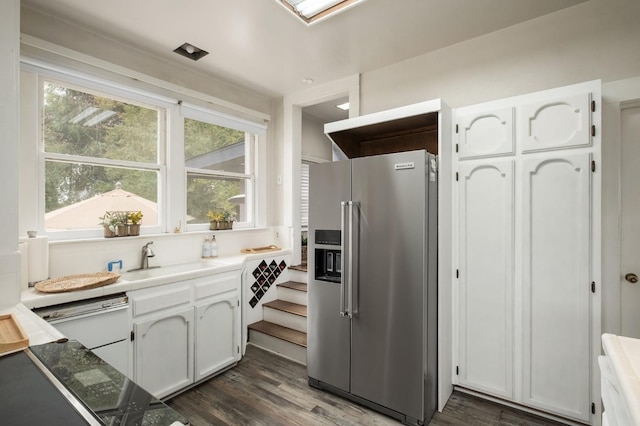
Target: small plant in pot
x=120 y=222
x=229 y=218
x=133 y=225
x=215 y=220
x=107 y=223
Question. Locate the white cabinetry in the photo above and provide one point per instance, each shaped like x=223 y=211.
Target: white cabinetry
x=485 y=297
x=185 y=332
x=163 y=352
x=528 y=249
x=217 y=343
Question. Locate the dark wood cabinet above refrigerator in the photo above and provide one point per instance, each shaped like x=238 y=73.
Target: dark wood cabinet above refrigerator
x=408 y=128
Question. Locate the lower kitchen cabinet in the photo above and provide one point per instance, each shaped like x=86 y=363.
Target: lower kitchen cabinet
x=217 y=335
x=163 y=352
x=185 y=332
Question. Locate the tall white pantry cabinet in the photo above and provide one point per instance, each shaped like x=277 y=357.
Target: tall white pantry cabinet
x=527 y=242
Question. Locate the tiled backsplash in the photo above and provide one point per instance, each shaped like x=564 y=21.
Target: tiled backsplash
x=87 y=256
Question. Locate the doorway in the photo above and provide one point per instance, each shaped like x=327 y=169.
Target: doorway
x=630 y=222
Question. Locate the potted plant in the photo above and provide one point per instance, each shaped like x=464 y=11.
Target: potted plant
x=229 y=218
x=215 y=220
x=304 y=248
x=119 y=221
x=107 y=225
x=133 y=224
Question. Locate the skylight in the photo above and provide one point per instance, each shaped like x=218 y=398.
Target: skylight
x=312 y=11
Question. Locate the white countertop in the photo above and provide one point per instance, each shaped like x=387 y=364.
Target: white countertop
x=624 y=358
x=31 y=298
x=38 y=330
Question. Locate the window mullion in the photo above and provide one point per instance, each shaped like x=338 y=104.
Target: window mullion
x=218 y=173
x=69 y=158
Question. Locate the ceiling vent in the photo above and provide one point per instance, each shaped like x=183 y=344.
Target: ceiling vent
x=190 y=51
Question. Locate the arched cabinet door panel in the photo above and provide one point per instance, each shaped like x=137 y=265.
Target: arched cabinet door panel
x=556 y=124
x=486 y=134
x=217 y=345
x=485 y=303
x=556 y=233
x=163 y=348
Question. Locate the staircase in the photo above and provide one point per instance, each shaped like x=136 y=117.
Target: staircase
x=284 y=326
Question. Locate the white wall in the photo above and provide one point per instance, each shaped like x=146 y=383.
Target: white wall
x=82 y=40
x=593 y=40
x=598 y=39
x=314 y=142
x=9 y=137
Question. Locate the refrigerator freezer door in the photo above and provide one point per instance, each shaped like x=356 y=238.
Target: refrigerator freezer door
x=387 y=360
x=328 y=338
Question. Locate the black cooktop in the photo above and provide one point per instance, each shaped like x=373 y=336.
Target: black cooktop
x=27 y=397
x=107 y=393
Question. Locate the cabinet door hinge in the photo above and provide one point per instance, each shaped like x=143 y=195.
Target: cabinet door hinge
x=457 y=371
x=593 y=166
x=457 y=176
x=593 y=130
x=593 y=408
x=133 y=335
x=593 y=106
x=456 y=128
x=457 y=273
x=593 y=286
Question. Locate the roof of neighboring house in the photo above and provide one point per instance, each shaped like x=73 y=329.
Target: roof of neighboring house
x=86 y=214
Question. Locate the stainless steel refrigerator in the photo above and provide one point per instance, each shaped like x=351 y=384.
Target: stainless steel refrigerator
x=372 y=330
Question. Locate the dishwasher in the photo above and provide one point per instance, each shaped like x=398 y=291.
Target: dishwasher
x=100 y=324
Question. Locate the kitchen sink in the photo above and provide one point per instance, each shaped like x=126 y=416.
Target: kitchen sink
x=169 y=271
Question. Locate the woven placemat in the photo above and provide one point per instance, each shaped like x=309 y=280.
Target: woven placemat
x=77 y=282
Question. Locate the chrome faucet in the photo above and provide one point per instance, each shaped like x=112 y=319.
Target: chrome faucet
x=146 y=254
x=144 y=258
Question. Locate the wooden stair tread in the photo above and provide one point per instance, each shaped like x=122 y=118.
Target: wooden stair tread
x=292 y=308
x=293 y=285
x=302 y=267
x=287 y=334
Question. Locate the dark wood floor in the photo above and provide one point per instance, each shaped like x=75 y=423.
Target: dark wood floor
x=265 y=389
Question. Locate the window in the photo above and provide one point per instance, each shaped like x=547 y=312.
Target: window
x=100 y=154
x=219 y=162
x=311 y=11
x=100 y=145
x=304 y=196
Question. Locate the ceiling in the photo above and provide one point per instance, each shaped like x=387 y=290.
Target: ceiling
x=260 y=45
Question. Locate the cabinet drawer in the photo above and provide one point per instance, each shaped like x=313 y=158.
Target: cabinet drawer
x=96 y=330
x=159 y=298
x=216 y=284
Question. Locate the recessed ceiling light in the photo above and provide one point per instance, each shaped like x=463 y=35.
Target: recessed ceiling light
x=307 y=80
x=344 y=106
x=190 y=51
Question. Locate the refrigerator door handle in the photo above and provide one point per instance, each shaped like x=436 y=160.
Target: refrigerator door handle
x=344 y=275
x=354 y=239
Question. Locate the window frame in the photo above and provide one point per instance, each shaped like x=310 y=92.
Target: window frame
x=252 y=134
x=96 y=88
x=115 y=82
